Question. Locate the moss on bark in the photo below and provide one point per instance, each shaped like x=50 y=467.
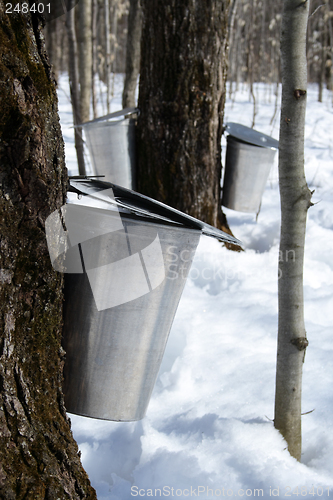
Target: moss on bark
x=39 y=458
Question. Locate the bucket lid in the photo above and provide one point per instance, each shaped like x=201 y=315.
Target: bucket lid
x=123 y=112
x=251 y=136
x=140 y=205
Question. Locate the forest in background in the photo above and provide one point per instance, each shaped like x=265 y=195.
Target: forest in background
x=254 y=42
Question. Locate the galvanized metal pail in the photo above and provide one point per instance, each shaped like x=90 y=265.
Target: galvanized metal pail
x=249 y=158
x=111 y=144
x=126 y=259
x=113 y=355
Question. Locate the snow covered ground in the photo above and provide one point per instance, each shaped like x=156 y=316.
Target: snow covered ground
x=208 y=432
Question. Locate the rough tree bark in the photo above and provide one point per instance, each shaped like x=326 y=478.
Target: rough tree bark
x=39 y=458
x=295 y=201
x=181 y=102
x=132 y=54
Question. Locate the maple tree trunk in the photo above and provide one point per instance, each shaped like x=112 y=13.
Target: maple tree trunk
x=181 y=101
x=39 y=458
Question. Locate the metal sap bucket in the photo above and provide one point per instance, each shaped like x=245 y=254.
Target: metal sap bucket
x=111 y=144
x=127 y=261
x=249 y=157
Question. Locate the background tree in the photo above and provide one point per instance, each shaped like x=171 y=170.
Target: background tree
x=94 y=62
x=73 y=73
x=320 y=44
x=107 y=52
x=39 y=458
x=181 y=102
x=134 y=26
x=55 y=45
x=85 y=56
x=295 y=201
x=254 y=53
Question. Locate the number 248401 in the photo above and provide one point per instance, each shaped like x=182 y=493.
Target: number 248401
x=25 y=8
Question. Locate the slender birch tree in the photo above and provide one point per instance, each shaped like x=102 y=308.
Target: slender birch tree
x=295 y=201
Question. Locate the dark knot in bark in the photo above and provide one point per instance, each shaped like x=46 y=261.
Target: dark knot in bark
x=301 y=343
x=298 y=93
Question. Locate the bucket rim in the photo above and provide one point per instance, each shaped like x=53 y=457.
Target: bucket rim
x=144 y=206
x=126 y=113
x=125 y=213
x=250 y=136
x=124 y=122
